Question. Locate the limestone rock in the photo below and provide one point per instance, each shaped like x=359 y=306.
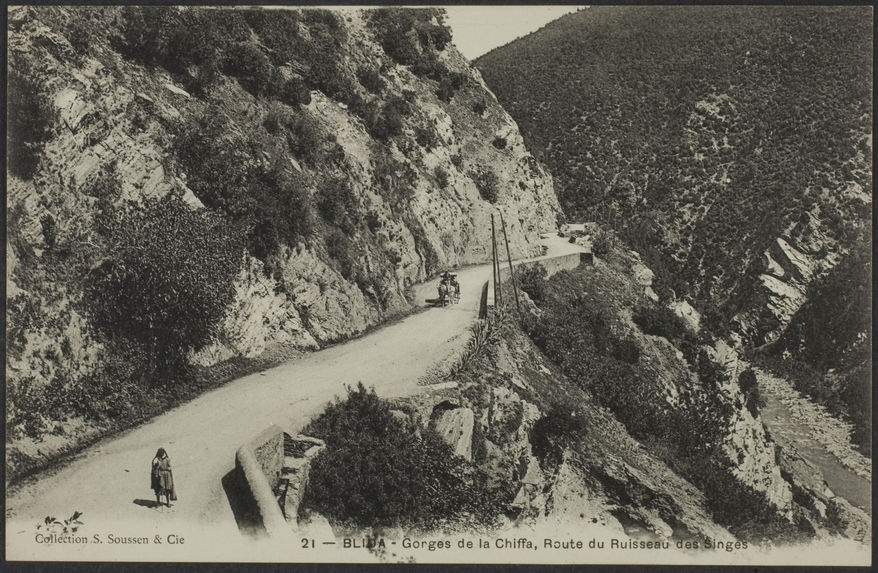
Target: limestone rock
x=456 y=429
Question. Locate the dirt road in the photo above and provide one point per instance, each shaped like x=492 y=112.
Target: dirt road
x=109 y=483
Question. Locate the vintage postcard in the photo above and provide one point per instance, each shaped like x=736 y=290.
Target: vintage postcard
x=450 y=284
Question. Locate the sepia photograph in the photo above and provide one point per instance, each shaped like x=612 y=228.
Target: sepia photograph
x=439 y=284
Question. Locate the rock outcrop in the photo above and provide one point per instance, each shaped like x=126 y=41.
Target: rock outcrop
x=794 y=260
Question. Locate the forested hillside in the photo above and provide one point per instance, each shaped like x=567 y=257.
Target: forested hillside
x=705 y=135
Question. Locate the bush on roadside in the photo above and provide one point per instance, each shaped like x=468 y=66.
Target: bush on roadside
x=166 y=281
x=378 y=471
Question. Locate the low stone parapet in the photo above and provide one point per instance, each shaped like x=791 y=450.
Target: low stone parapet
x=275 y=467
x=260 y=461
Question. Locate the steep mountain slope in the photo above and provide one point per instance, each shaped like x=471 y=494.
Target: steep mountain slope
x=731 y=145
x=192 y=187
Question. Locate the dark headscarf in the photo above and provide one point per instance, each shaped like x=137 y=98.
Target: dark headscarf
x=161 y=453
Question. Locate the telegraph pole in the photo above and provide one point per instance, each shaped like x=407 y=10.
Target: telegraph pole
x=495 y=264
x=509 y=258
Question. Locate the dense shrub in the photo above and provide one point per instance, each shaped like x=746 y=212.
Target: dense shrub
x=601 y=245
x=370 y=79
x=749 y=385
x=425 y=137
x=383 y=122
x=405 y=34
x=80 y=40
x=304 y=137
x=167 y=279
x=337 y=205
x=479 y=107
x=294 y=92
x=325 y=74
x=144 y=32
x=532 y=280
x=30 y=121
x=50 y=230
x=441 y=177
x=379 y=471
x=659 y=321
x=394 y=180
x=449 y=82
x=27 y=407
x=253 y=69
x=341 y=249
x=499 y=142
x=626 y=350
x=711 y=374
x=264 y=198
x=278 y=31
x=393 y=113
x=556 y=430
x=488 y=184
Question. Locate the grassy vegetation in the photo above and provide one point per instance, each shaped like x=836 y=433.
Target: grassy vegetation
x=378 y=471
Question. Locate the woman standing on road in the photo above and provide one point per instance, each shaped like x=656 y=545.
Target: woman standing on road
x=161 y=478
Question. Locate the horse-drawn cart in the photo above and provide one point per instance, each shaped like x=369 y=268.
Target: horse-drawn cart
x=449 y=290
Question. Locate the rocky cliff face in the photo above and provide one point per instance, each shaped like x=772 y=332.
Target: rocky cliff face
x=803 y=253
x=398 y=180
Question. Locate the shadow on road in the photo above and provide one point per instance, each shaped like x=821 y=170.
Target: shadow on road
x=150 y=503
x=242 y=503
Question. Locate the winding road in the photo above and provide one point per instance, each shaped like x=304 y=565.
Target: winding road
x=109 y=482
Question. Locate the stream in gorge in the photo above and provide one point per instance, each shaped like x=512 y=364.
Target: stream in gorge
x=821 y=438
